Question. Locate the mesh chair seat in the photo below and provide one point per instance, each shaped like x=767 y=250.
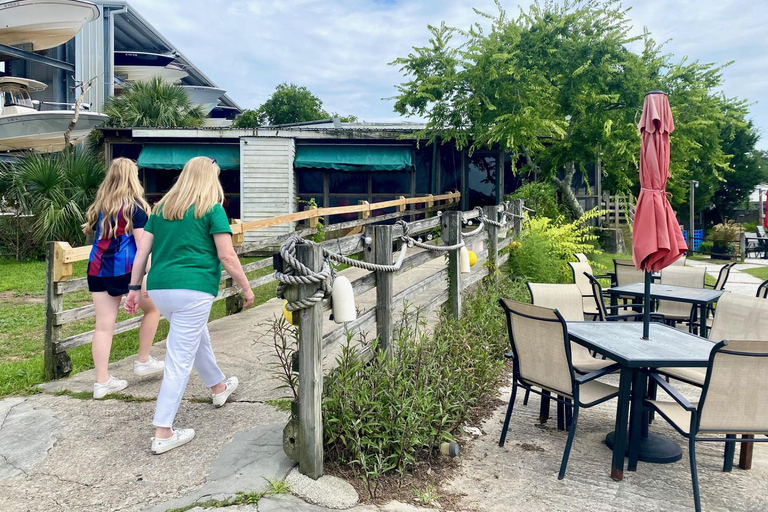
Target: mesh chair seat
x=674 y=413
x=692 y=277
x=693 y=376
x=583 y=362
x=595 y=391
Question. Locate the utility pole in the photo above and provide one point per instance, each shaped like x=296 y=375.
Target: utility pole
x=694 y=184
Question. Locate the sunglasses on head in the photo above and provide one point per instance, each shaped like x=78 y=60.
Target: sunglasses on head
x=213 y=160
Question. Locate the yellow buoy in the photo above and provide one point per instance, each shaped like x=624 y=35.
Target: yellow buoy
x=472 y=258
x=287 y=314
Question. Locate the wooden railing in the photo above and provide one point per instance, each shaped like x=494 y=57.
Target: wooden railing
x=60 y=257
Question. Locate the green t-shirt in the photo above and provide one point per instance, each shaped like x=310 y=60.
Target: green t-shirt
x=184 y=254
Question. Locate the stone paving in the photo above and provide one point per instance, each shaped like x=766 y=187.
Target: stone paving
x=64 y=453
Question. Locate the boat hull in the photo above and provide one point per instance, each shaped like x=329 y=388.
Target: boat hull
x=43 y=23
x=142 y=59
x=206 y=97
x=171 y=74
x=44 y=131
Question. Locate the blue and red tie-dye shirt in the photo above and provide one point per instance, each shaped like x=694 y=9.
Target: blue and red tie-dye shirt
x=111 y=257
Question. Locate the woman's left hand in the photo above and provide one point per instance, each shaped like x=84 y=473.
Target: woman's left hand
x=132 y=302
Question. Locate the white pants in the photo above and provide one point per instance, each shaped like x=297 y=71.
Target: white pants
x=188 y=344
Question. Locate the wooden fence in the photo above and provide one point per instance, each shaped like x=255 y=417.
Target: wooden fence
x=616 y=207
x=60 y=256
x=303 y=434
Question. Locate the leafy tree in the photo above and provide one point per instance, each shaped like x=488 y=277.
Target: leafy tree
x=153 y=103
x=289 y=103
x=558 y=86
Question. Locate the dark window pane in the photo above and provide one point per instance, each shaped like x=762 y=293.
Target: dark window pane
x=391 y=182
x=481 y=179
x=344 y=201
x=450 y=169
x=230 y=180
x=304 y=202
x=310 y=182
x=344 y=182
x=423 y=165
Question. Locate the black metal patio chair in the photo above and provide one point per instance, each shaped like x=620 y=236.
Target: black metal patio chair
x=542 y=363
x=728 y=405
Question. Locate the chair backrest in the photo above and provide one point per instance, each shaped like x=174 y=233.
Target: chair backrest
x=578 y=269
x=542 y=353
x=597 y=291
x=739 y=317
x=722 y=277
x=760 y=230
x=692 y=277
x=626 y=273
x=580 y=256
x=566 y=298
x=733 y=400
x=762 y=290
x=679 y=262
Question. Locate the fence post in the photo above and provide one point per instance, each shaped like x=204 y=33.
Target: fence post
x=742 y=246
x=310 y=323
x=55 y=365
x=616 y=220
x=517 y=212
x=380 y=252
x=451 y=232
x=492 y=213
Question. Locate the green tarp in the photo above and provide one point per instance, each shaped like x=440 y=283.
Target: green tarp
x=174 y=156
x=353 y=158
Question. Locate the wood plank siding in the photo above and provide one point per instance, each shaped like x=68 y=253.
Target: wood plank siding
x=267 y=183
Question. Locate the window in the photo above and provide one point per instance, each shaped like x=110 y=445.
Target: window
x=17 y=98
x=450 y=169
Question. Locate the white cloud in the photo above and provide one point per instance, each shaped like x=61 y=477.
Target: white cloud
x=340 y=49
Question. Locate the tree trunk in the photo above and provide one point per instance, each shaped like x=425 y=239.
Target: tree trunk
x=564 y=185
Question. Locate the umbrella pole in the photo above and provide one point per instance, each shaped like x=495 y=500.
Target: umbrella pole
x=647 y=305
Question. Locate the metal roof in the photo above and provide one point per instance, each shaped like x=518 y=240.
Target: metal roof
x=134 y=33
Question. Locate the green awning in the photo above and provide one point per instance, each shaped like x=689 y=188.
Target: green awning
x=353 y=158
x=174 y=156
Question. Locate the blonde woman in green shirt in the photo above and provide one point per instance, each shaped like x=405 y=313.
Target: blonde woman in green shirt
x=189 y=238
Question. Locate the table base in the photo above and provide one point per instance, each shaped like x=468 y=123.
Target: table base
x=655 y=449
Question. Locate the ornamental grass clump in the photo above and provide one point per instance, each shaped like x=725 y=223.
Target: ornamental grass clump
x=382 y=416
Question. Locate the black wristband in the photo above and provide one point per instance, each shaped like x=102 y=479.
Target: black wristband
x=134 y=287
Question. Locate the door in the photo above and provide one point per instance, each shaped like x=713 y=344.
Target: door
x=482 y=180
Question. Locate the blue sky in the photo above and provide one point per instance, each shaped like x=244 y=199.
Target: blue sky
x=340 y=49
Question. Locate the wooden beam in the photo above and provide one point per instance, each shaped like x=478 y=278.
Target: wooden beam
x=62 y=269
x=451 y=232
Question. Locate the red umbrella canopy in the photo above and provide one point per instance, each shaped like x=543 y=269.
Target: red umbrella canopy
x=765 y=217
x=657 y=239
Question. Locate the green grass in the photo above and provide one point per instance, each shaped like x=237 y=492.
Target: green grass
x=22 y=322
x=760 y=273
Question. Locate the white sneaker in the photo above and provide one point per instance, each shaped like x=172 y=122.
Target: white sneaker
x=179 y=437
x=113 y=385
x=149 y=367
x=220 y=398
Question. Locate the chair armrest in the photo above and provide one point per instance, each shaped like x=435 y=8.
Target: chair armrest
x=604 y=276
x=675 y=394
x=597 y=373
x=710 y=286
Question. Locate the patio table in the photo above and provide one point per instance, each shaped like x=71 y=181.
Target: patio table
x=701 y=298
x=622 y=342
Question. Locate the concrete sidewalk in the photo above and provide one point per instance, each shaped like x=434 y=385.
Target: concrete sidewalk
x=738 y=281
x=64 y=453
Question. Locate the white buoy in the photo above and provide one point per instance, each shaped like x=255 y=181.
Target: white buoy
x=343 y=300
x=464 y=260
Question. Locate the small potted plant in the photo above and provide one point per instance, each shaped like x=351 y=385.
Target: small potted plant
x=722 y=236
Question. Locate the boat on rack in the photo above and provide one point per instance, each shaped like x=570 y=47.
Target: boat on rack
x=221 y=117
x=43 y=24
x=25 y=126
x=134 y=66
x=206 y=97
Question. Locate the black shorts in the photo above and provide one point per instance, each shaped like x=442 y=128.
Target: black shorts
x=115 y=286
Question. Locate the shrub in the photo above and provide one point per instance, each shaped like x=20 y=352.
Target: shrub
x=545 y=248
x=382 y=416
x=540 y=197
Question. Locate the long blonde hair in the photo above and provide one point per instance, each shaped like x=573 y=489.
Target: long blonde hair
x=198 y=184
x=120 y=190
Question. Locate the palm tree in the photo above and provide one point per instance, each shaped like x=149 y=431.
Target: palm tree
x=56 y=188
x=153 y=103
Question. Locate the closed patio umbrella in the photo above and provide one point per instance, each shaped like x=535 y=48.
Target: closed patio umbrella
x=656 y=236
x=765 y=213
